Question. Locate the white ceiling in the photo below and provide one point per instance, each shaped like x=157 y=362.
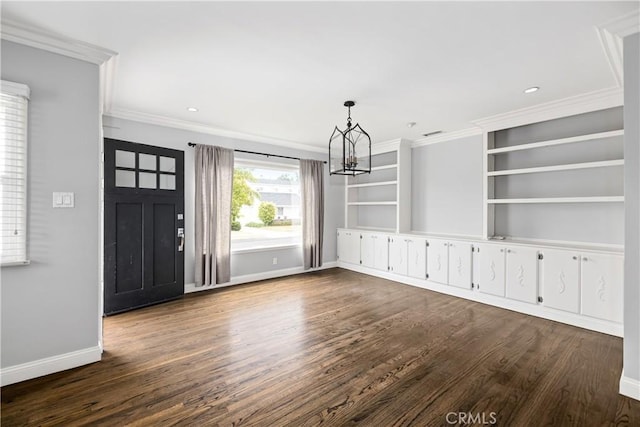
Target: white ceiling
x=283 y=70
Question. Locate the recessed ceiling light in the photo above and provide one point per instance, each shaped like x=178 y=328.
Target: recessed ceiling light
x=531 y=89
x=411 y=124
x=192 y=109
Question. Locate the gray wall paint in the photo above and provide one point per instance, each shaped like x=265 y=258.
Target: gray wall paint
x=588 y=222
x=446 y=187
x=632 y=206
x=50 y=307
x=241 y=263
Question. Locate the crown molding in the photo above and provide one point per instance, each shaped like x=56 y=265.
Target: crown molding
x=446 y=136
x=611 y=34
x=390 y=145
x=154 y=119
x=45 y=40
x=592 y=101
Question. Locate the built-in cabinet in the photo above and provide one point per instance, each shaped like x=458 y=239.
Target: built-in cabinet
x=584 y=283
x=375 y=251
x=407 y=256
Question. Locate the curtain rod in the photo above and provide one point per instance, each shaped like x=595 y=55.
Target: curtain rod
x=192 y=144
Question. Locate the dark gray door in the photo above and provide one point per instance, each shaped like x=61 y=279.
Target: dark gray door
x=143 y=225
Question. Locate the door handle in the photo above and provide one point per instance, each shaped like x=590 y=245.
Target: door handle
x=180 y=239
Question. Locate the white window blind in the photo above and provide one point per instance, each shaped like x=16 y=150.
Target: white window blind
x=14 y=99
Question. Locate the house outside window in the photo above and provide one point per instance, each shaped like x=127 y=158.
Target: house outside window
x=273 y=217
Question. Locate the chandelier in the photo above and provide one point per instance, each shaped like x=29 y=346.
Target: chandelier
x=349 y=150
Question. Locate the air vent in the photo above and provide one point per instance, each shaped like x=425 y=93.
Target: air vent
x=432 y=133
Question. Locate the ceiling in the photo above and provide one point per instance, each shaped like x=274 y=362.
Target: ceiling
x=283 y=70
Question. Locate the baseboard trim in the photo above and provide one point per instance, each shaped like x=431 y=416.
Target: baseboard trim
x=256 y=277
x=629 y=387
x=598 y=325
x=49 y=365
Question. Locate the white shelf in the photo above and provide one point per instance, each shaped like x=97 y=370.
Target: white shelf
x=581 y=138
x=573 y=166
x=371 y=203
x=372 y=184
x=379 y=168
x=592 y=199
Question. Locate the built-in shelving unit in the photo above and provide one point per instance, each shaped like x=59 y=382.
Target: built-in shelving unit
x=575 y=160
x=381 y=200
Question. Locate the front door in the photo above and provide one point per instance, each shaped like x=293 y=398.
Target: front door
x=143 y=225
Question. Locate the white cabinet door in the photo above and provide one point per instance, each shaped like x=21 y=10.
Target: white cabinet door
x=398 y=255
x=602 y=286
x=367 y=249
x=560 y=281
x=349 y=246
x=438 y=261
x=522 y=274
x=417 y=258
x=491 y=272
x=381 y=252
x=460 y=264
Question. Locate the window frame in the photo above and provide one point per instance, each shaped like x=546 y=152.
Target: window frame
x=280 y=166
x=23 y=91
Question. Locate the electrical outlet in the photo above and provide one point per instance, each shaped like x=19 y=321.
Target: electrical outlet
x=275 y=261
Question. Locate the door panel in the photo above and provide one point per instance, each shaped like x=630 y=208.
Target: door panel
x=381 y=252
x=164 y=244
x=602 y=284
x=398 y=255
x=438 y=260
x=127 y=254
x=417 y=258
x=491 y=272
x=522 y=274
x=560 y=279
x=349 y=247
x=143 y=213
x=367 y=250
x=460 y=264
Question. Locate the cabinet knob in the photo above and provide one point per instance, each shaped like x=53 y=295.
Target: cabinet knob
x=508 y=251
x=501 y=250
x=585 y=259
x=575 y=257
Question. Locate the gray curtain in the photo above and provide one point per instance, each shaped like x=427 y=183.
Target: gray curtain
x=214 y=182
x=312 y=182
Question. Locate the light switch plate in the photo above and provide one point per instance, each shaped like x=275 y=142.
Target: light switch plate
x=63 y=199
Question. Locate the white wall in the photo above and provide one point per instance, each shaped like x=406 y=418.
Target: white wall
x=50 y=307
x=446 y=187
x=241 y=263
x=632 y=214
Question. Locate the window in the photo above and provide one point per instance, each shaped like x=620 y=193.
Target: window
x=265 y=209
x=14 y=100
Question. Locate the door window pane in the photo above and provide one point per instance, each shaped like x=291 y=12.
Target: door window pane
x=167 y=182
x=147 y=180
x=167 y=164
x=125 y=179
x=146 y=161
x=125 y=159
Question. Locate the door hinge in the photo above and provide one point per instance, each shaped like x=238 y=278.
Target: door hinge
x=360 y=261
x=540 y=299
x=540 y=256
x=427 y=244
x=361 y=237
x=472 y=285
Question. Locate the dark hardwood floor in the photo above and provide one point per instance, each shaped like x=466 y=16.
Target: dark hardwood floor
x=333 y=348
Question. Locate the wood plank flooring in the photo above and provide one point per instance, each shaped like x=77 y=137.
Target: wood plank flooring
x=332 y=348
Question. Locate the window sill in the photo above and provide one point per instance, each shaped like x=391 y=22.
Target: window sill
x=266 y=248
x=15 y=264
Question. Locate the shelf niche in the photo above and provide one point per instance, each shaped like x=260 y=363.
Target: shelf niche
x=558 y=180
